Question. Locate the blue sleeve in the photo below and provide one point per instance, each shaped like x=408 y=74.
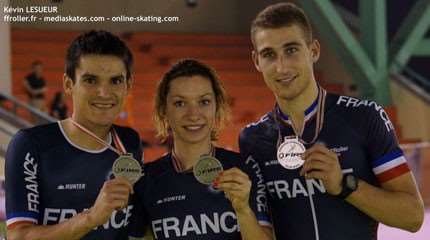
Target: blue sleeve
x=386 y=157
x=381 y=136
x=258 y=198
x=22 y=181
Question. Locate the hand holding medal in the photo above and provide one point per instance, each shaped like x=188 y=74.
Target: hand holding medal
x=236 y=186
x=321 y=163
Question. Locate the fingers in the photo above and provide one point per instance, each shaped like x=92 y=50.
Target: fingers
x=234 y=196
x=232 y=175
x=233 y=180
x=313 y=165
x=230 y=187
x=323 y=164
x=319 y=148
x=317 y=161
x=112 y=196
x=115 y=192
x=122 y=181
x=318 y=157
x=316 y=175
x=236 y=186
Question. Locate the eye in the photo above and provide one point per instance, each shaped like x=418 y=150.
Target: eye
x=291 y=50
x=89 y=80
x=205 y=102
x=268 y=55
x=117 y=80
x=179 y=103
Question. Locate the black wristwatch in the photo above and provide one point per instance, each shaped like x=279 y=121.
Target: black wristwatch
x=349 y=185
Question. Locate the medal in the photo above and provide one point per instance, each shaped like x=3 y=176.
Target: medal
x=289 y=153
x=128 y=167
x=207 y=169
x=125 y=165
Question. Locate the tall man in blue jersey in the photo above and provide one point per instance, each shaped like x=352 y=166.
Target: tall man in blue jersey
x=332 y=165
x=59 y=182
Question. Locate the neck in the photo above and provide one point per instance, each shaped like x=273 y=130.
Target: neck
x=81 y=138
x=296 y=107
x=188 y=154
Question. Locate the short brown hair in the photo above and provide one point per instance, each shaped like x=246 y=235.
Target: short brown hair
x=189 y=68
x=98 y=43
x=282 y=15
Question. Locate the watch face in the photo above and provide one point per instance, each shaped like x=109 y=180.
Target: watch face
x=351 y=182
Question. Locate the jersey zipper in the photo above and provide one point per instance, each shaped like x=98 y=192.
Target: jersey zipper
x=314 y=215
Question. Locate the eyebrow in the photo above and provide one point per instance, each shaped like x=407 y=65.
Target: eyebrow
x=88 y=75
x=286 y=45
x=118 y=76
x=96 y=76
x=203 y=95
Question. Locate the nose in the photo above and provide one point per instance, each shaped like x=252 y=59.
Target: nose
x=103 y=90
x=193 y=112
x=281 y=65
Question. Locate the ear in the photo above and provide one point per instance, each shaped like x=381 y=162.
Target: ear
x=255 y=60
x=130 y=83
x=67 y=84
x=315 y=50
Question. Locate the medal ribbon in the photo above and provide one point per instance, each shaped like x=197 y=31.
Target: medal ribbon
x=319 y=122
x=177 y=163
x=120 y=150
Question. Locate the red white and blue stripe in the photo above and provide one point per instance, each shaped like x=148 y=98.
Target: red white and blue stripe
x=390 y=166
x=309 y=112
x=22 y=217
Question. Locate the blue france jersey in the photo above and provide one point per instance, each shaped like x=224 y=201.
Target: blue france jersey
x=49 y=179
x=361 y=134
x=175 y=206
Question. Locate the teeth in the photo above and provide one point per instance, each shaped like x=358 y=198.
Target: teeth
x=103 y=105
x=286 y=80
x=193 y=127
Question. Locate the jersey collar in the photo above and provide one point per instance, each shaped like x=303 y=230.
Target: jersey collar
x=309 y=112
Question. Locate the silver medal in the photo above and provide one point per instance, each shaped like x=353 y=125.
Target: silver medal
x=128 y=167
x=289 y=153
x=207 y=169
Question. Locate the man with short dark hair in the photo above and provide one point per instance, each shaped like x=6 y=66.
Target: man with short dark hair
x=61 y=182
x=332 y=165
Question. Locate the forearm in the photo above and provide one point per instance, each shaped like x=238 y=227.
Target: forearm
x=393 y=208
x=249 y=227
x=71 y=229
